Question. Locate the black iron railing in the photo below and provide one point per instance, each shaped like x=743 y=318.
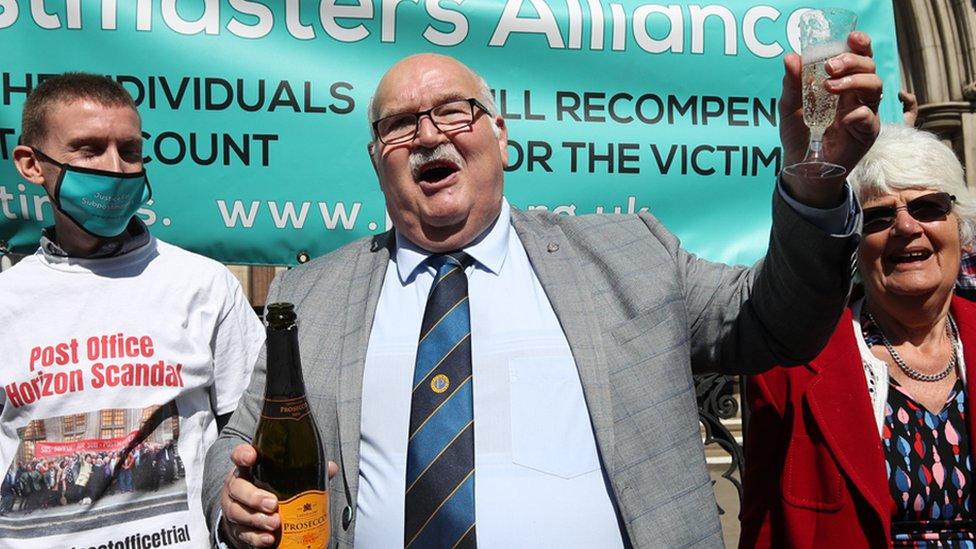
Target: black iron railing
x=717 y=400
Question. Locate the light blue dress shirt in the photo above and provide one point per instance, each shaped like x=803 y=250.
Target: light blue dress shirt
x=538 y=481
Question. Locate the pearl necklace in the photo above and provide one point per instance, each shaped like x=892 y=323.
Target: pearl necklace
x=953 y=334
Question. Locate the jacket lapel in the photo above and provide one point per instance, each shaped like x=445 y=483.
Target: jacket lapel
x=965 y=317
x=841 y=407
x=558 y=267
x=364 y=291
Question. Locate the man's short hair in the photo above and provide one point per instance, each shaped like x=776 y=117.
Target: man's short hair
x=67 y=88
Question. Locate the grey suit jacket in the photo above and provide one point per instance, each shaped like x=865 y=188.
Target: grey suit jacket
x=640 y=315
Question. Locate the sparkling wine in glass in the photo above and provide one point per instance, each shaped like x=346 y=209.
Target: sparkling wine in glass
x=823 y=35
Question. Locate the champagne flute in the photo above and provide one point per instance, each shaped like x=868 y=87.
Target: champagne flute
x=823 y=35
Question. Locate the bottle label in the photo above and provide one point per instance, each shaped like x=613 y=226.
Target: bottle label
x=305 y=520
x=286 y=408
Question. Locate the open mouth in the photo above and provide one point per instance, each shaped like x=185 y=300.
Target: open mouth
x=436 y=171
x=910 y=257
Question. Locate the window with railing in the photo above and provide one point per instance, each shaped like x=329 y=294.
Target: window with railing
x=73 y=427
x=147 y=414
x=112 y=423
x=29 y=435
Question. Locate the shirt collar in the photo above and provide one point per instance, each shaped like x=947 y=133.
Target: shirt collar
x=136 y=236
x=488 y=250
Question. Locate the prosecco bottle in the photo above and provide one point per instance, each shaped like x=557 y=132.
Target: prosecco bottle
x=290 y=462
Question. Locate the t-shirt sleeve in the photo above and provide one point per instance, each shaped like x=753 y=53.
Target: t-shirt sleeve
x=236 y=343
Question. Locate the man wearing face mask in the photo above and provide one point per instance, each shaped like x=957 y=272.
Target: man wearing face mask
x=114 y=341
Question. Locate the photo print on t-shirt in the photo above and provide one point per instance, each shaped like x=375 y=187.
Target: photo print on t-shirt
x=90 y=470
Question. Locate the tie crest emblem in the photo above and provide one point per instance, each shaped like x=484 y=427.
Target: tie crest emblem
x=440 y=383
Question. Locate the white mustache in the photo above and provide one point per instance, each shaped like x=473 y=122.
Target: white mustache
x=420 y=157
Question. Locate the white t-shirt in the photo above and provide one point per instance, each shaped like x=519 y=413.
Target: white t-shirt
x=112 y=371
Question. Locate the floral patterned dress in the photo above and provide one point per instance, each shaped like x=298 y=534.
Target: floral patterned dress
x=929 y=466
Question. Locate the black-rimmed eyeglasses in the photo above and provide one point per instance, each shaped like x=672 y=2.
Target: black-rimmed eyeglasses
x=926 y=208
x=447 y=117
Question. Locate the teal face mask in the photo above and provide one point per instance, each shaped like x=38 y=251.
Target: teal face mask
x=98 y=201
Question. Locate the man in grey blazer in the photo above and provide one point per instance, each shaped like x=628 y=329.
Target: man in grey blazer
x=584 y=334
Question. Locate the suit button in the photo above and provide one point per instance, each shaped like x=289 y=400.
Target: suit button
x=346 y=517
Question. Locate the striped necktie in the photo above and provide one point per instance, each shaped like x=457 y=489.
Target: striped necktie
x=440 y=450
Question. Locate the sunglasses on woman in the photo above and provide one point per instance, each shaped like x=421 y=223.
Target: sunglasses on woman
x=928 y=207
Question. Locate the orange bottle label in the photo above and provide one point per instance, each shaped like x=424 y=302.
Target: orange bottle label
x=305 y=521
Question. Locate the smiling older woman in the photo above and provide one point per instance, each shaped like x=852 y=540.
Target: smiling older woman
x=869 y=445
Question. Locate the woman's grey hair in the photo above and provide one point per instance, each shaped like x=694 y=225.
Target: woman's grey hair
x=906 y=158
x=484 y=96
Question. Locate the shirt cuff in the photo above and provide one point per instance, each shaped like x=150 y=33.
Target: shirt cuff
x=833 y=221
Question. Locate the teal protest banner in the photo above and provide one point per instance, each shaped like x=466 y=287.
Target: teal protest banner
x=254 y=112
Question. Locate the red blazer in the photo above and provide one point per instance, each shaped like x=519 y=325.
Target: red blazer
x=815 y=471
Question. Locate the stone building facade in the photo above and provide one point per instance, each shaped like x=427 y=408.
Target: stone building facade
x=937 y=47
